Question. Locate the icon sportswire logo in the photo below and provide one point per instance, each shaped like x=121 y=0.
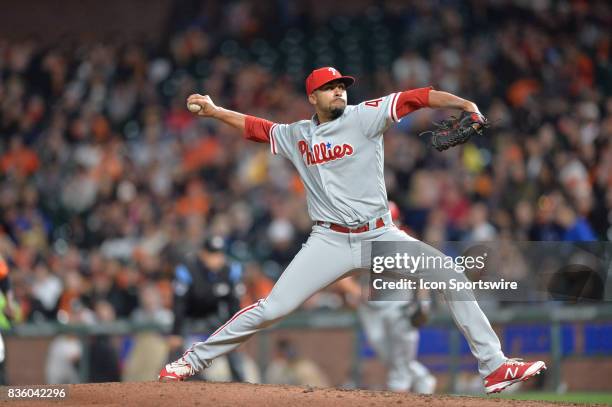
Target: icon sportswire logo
x=324 y=152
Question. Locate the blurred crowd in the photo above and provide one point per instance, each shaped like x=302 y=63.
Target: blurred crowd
x=106 y=179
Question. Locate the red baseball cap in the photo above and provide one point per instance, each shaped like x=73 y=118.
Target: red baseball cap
x=321 y=76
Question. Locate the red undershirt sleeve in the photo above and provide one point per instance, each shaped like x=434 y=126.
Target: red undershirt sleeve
x=411 y=100
x=257 y=130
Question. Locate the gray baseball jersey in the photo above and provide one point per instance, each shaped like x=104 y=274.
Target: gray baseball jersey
x=338 y=159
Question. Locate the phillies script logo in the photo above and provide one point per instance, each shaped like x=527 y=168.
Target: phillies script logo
x=322 y=152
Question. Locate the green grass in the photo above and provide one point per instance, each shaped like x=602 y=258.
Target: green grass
x=583 y=397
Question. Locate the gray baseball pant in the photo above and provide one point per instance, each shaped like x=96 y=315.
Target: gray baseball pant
x=396 y=342
x=327 y=256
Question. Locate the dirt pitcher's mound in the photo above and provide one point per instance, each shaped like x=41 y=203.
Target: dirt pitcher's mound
x=253 y=395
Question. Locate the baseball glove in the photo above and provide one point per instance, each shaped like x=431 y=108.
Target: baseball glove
x=456 y=130
x=419 y=317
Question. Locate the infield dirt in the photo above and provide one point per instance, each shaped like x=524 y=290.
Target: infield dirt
x=242 y=394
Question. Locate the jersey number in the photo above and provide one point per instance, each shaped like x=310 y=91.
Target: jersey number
x=373 y=103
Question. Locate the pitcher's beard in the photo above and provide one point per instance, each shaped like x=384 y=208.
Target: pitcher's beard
x=336 y=112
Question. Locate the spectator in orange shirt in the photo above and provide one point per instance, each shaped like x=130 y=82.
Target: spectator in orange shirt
x=257 y=285
x=19 y=159
x=195 y=201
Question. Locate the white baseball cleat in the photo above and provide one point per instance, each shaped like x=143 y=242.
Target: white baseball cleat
x=176 y=371
x=510 y=372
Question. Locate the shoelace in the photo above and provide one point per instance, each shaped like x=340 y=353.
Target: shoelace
x=183 y=363
x=515 y=361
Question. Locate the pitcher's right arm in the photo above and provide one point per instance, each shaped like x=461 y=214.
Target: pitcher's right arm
x=253 y=128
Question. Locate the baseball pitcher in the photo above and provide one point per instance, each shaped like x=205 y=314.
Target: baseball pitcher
x=338 y=154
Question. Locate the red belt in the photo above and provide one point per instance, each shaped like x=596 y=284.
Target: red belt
x=343 y=229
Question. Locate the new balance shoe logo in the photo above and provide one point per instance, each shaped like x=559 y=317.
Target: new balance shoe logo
x=511 y=374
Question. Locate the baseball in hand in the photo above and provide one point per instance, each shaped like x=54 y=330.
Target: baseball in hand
x=194 y=108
